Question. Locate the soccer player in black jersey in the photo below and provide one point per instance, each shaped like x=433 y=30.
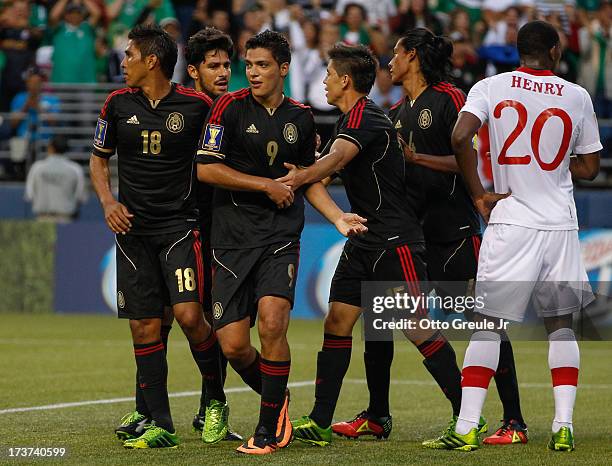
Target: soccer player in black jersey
x=257 y=223
x=365 y=154
x=425 y=119
x=208 y=55
x=153 y=125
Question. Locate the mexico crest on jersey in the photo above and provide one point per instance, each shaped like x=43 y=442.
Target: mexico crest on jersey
x=217 y=310
x=425 y=118
x=175 y=122
x=290 y=133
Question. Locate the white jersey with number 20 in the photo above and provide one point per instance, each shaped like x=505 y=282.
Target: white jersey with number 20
x=536 y=120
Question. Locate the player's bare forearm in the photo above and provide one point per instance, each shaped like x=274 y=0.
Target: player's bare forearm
x=99 y=172
x=320 y=199
x=462 y=137
x=585 y=167
x=222 y=176
x=441 y=163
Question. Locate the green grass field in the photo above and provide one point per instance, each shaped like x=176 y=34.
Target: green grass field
x=47 y=359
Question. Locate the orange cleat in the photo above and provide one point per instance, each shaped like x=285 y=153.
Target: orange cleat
x=510 y=432
x=284 y=429
x=364 y=424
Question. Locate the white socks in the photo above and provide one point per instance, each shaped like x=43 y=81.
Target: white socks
x=564 y=362
x=479 y=365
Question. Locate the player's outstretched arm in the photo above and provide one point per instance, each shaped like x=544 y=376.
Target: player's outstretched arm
x=585 y=166
x=116 y=214
x=222 y=176
x=340 y=154
x=347 y=224
x=463 y=134
x=441 y=163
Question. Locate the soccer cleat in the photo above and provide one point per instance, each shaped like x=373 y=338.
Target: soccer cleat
x=307 y=431
x=153 y=437
x=284 y=429
x=364 y=424
x=563 y=440
x=262 y=443
x=198 y=426
x=438 y=444
x=510 y=432
x=451 y=440
x=215 y=423
x=132 y=426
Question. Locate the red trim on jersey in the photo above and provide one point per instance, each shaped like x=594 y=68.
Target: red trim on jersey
x=224 y=102
x=298 y=103
x=455 y=93
x=524 y=69
x=192 y=92
x=476 y=244
x=398 y=103
x=476 y=376
x=197 y=248
x=113 y=94
x=356 y=114
x=564 y=376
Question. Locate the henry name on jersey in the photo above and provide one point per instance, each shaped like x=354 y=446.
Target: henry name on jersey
x=534 y=86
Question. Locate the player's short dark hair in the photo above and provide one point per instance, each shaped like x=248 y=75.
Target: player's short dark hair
x=434 y=53
x=59 y=143
x=536 y=38
x=273 y=41
x=153 y=40
x=358 y=62
x=204 y=41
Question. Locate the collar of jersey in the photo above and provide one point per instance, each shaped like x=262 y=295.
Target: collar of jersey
x=524 y=69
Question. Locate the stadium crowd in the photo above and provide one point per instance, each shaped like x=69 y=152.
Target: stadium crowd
x=82 y=41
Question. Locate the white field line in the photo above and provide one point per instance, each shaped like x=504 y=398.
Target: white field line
x=303 y=383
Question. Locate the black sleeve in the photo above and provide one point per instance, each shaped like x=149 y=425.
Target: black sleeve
x=361 y=135
x=308 y=141
x=105 y=137
x=216 y=135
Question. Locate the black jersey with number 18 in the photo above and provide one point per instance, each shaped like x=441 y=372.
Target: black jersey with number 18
x=155 y=144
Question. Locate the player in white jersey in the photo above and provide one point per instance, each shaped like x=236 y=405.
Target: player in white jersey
x=543 y=132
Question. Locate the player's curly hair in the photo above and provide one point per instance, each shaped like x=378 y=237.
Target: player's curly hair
x=204 y=41
x=273 y=41
x=153 y=40
x=434 y=53
x=356 y=61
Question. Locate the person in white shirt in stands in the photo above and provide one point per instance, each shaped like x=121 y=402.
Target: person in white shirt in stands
x=543 y=132
x=56 y=185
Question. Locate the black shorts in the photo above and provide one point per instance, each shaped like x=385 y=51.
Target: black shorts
x=206 y=264
x=241 y=277
x=405 y=263
x=454 y=261
x=157 y=271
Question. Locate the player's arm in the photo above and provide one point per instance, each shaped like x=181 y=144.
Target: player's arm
x=442 y=163
x=340 y=154
x=585 y=166
x=466 y=127
x=222 y=176
x=347 y=224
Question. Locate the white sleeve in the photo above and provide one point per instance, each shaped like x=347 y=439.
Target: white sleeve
x=30 y=182
x=588 y=141
x=477 y=102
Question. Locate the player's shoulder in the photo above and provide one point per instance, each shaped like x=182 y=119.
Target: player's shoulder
x=299 y=111
x=450 y=93
x=396 y=106
x=228 y=102
x=365 y=114
x=116 y=96
x=191 y=94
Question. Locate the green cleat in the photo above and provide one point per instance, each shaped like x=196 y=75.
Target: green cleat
x=132 y=426
x=216 y=422
x=438 y=442
x=451 y=440
x=562 y=440
x=307 y=431
x=153 y=437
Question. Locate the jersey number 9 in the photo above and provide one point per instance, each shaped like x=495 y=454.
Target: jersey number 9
x=151 y=142
x=272 y=149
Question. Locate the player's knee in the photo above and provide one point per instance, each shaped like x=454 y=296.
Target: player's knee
x=145 y=330
x=236 y=351
x=272 y=329
x=191 y=321
x=335 y=325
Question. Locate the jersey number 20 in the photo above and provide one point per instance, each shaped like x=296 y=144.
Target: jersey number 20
x=536 y=133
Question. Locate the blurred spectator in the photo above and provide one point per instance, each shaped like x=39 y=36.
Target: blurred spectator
x=377 y=12
x=25 y=109
x=239 y=79
x=56 y=185
x=460 y=23
x=384 y=93
x=467 y=67
x=499 y=44
x=304 y=39
x=128 y=13
x=18 y=43
x=256 y=19
x=173 y=28
x=74 y=41
x=354 y=27
x=416 y=14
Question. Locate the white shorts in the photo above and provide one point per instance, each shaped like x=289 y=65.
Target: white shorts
x=519 y=266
